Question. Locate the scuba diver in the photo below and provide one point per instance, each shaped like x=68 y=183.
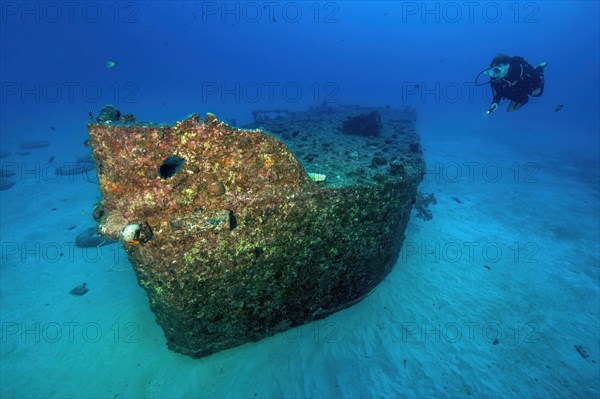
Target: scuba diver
x=515 y=79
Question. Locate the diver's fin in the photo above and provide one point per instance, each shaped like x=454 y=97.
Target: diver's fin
x=542 y=65
x=513 y=106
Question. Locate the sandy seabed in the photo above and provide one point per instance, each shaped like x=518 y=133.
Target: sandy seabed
x=489 y=299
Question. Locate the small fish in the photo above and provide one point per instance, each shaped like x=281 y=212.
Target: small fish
x=558 y=107
x=110 y=64
x=52 y=128
x=51 y=159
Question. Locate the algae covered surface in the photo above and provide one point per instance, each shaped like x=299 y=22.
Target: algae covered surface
x=228 y=233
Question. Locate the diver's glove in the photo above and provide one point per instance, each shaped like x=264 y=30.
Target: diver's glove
x=492 y=108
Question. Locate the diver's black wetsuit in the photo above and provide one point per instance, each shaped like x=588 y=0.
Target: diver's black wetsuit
x=519 y=82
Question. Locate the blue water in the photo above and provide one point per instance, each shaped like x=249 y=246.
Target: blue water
x=497 y=296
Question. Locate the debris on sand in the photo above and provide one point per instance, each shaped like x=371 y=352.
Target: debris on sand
x=80 y=290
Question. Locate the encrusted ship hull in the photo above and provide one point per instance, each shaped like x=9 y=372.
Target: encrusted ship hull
x=232 y=239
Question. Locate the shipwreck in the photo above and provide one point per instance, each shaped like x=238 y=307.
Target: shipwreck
x=236 y=234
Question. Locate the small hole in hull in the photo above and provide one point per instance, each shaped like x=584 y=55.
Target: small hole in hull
x=170 y=167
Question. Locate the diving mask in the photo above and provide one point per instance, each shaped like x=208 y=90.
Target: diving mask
x=499 y=71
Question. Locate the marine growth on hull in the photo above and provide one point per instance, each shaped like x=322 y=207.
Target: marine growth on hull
x=239 y=233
